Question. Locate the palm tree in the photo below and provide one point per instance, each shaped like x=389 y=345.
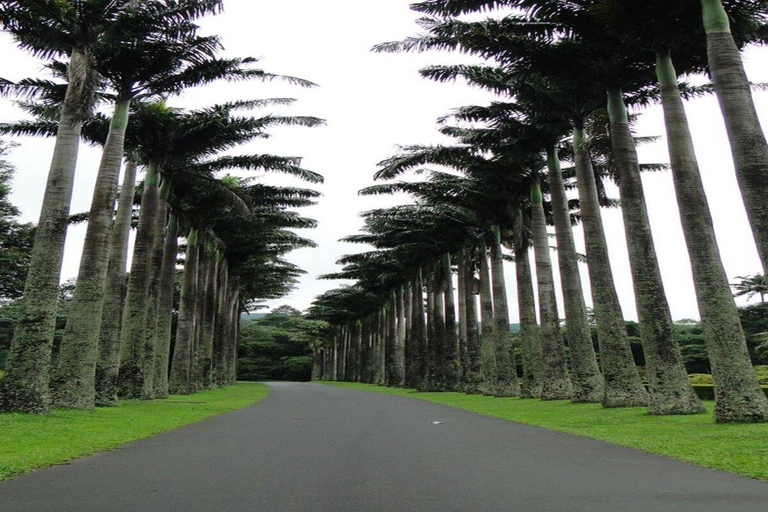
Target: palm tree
x=114 y=293
x=178 y=143
x=751 y=286
x=738 y=396
x=52 y=28
x=561 y=61
x=748 y=144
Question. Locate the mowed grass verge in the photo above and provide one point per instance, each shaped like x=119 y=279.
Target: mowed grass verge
x=29 y=442
x=738 y=448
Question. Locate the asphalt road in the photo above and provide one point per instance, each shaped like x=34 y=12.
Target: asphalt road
x=323 y=449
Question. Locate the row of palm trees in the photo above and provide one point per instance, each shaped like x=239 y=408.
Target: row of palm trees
x=567 y=72
x=118 y=343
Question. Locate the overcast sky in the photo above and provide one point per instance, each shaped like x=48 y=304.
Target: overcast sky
x=375 y=102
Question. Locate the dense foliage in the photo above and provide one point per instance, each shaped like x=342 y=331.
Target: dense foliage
x=277 y=346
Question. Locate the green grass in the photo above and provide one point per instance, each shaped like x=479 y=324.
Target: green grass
x=29 y=442
x=738 y=448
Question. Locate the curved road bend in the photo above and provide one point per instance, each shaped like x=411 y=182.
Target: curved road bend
x=315 y=448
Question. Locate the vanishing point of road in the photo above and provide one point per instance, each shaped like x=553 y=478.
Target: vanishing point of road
x=315 y=448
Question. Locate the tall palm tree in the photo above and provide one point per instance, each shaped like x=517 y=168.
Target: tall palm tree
x=562 y=60
x=53 y=28
x=738 y=396
x=751 y=286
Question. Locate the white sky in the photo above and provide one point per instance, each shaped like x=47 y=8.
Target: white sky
x=374 y=102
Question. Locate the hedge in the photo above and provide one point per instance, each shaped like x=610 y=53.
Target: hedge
x=708 y=392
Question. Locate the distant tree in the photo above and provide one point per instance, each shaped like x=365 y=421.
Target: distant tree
x=751 y=286
x=16 y=239
x=278 y=346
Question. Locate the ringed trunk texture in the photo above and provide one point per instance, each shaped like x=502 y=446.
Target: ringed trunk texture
x=746 y=136
x=585 y=377
x=556 y=382
x=24 y=387
x=73 y=384
x=623 y=385
x=475 y=379
x=529 y=329
x=488 y=347
x=131 y=377
x=165 y=310
x=180 y=382
x=506 y=383
x=738 y=396
x=670 y=391
x=108 y=361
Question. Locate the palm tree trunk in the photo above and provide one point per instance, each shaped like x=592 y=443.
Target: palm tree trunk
x=529 y=330
x=400 y=345
x=462 y=318
x=201 y=286
x=475 y=379
x=488 y=346
x=507 y=383
x=417 y=361
x=586 y=378
x=108 y=360
x=748 y=143
x=73 y=384
x=623 y=385
x=180 y=382
x=435 y=332
x=394 y=377
x=452 y=358
x=670 y=391
x=153 y=297
x=165 y=310
x=209 y=316
x=24 y=387
x=556 y=383
x=131 y=377
x=738 y=396
x=219 y=327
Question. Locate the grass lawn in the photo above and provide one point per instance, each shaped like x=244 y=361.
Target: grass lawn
x=29 y=442
x=698 y=439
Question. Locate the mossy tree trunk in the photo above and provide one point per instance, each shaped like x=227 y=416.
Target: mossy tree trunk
x=219 y=323
x=461 y=283
x=401 y=332
x=180 y=382
x=24 y=387
x=452 y=356
x=153 y=294
x=623 y=386
x=556 y=381
x=507 y=383
x=670 y=391
x=108 y=361
x=746 y=136
x=209 y=316
x=585 y=377
x=165 y=310
x=73 y=384
x=529 y=330
x=738 y=396
x=416 y=362
x=131 y=376
x=475 y=378
x=488 y=337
